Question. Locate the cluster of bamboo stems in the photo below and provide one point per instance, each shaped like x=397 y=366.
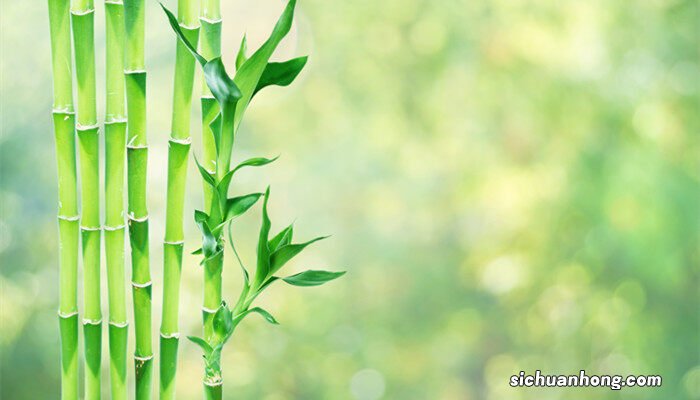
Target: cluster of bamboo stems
x=223 y=102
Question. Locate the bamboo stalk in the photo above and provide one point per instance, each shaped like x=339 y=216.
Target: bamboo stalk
x=209 y=48
x=68 y=217
x=178 y=153
x=137 y=165
x=82 y=19
x=115 y=149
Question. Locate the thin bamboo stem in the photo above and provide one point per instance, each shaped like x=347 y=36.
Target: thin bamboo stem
x=178 y=154
x=68 y=217
x=115 y=149
x=209 y=48
x=137 y=166
x=82 y=19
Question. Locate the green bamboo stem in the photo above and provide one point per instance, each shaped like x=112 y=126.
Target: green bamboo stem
x=209 y=47
x=68 y=218
x=115 y=149
x=213 y=391
x=137 y=165
x=82 y=19
x=178 y=153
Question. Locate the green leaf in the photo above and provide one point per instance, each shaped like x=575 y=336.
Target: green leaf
x=222 y=323
x=209 y=242
x=197 y=252
x=238 y=205
x=281 y=73
x=251 y=70
x=241 y=57
x=284 y=237
x=176 y=27
x=208 y=178
x=254 y=162
x=221 y=85
x=240 y=263
x=287 y=252
x=216 y=127
x=312 y=278
x=268 y=317
x=263 y=264
x=206 y=348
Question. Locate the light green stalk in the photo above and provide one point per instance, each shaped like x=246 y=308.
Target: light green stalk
x=115 y=148
x=178 y=153
x=68 y=218
x=82 y=18
x=209 y=48
x=137 y=162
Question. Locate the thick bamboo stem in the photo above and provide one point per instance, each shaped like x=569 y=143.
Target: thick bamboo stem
x=115 y=149
x=82 y=18
x=137 y=165
x=178 y=153
x=68 y=218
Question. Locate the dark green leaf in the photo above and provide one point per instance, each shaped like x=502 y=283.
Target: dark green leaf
x=197 y=252
x=209 y=243
x=176 y=27
x=281 y=73
x=312 y=278
x=249 y=74
x=206 y=348
x=241 y=57
x=285 y=253
x=284 y=237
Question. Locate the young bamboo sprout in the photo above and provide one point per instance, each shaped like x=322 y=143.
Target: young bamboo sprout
x=178 y=152
x=82 y=18
x=137 y=160
x=115 y=147
x=233 y=97
x=68 y=218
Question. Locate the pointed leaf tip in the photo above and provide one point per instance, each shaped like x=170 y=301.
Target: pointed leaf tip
x=313 y=277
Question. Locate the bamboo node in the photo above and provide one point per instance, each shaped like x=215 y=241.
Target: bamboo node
x=184 y=142
x=134 y=71
x=174 y=243
x=90 y=228
x=118 y=120
x=119 y=324
x=87 y=321
x=70 y=218
x=209 y=310
x=114 y=228
x=143 y=358
x=79 y=13
x=137 y=219
x=141 y=285
x=85 y=128
x=174 y=335
x=66 y=110
x=211 y=21
x=67 y=315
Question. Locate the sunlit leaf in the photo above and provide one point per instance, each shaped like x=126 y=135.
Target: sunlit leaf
x=281 y=73
x=285 y=253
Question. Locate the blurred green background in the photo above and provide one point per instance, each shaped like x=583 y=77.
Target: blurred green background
x=512 y=185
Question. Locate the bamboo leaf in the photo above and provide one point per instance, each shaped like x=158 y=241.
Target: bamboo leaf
x=251 y=70
x=263 y=264
x=206 y=175
x=268 y=317
x=221 y=85
x=197 y=252
x=285 y=253
x=202 y=344
x=281 y=73
x=284 y=237
x=254 y=162
x=215 y=127
x=241 y=57
x=181 y=35
x=238 y=205
x=312 y=278
x=209 y=243
x=240 y=263
x=222 y=322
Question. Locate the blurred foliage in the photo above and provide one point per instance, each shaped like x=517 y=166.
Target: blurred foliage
x=512 y=185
